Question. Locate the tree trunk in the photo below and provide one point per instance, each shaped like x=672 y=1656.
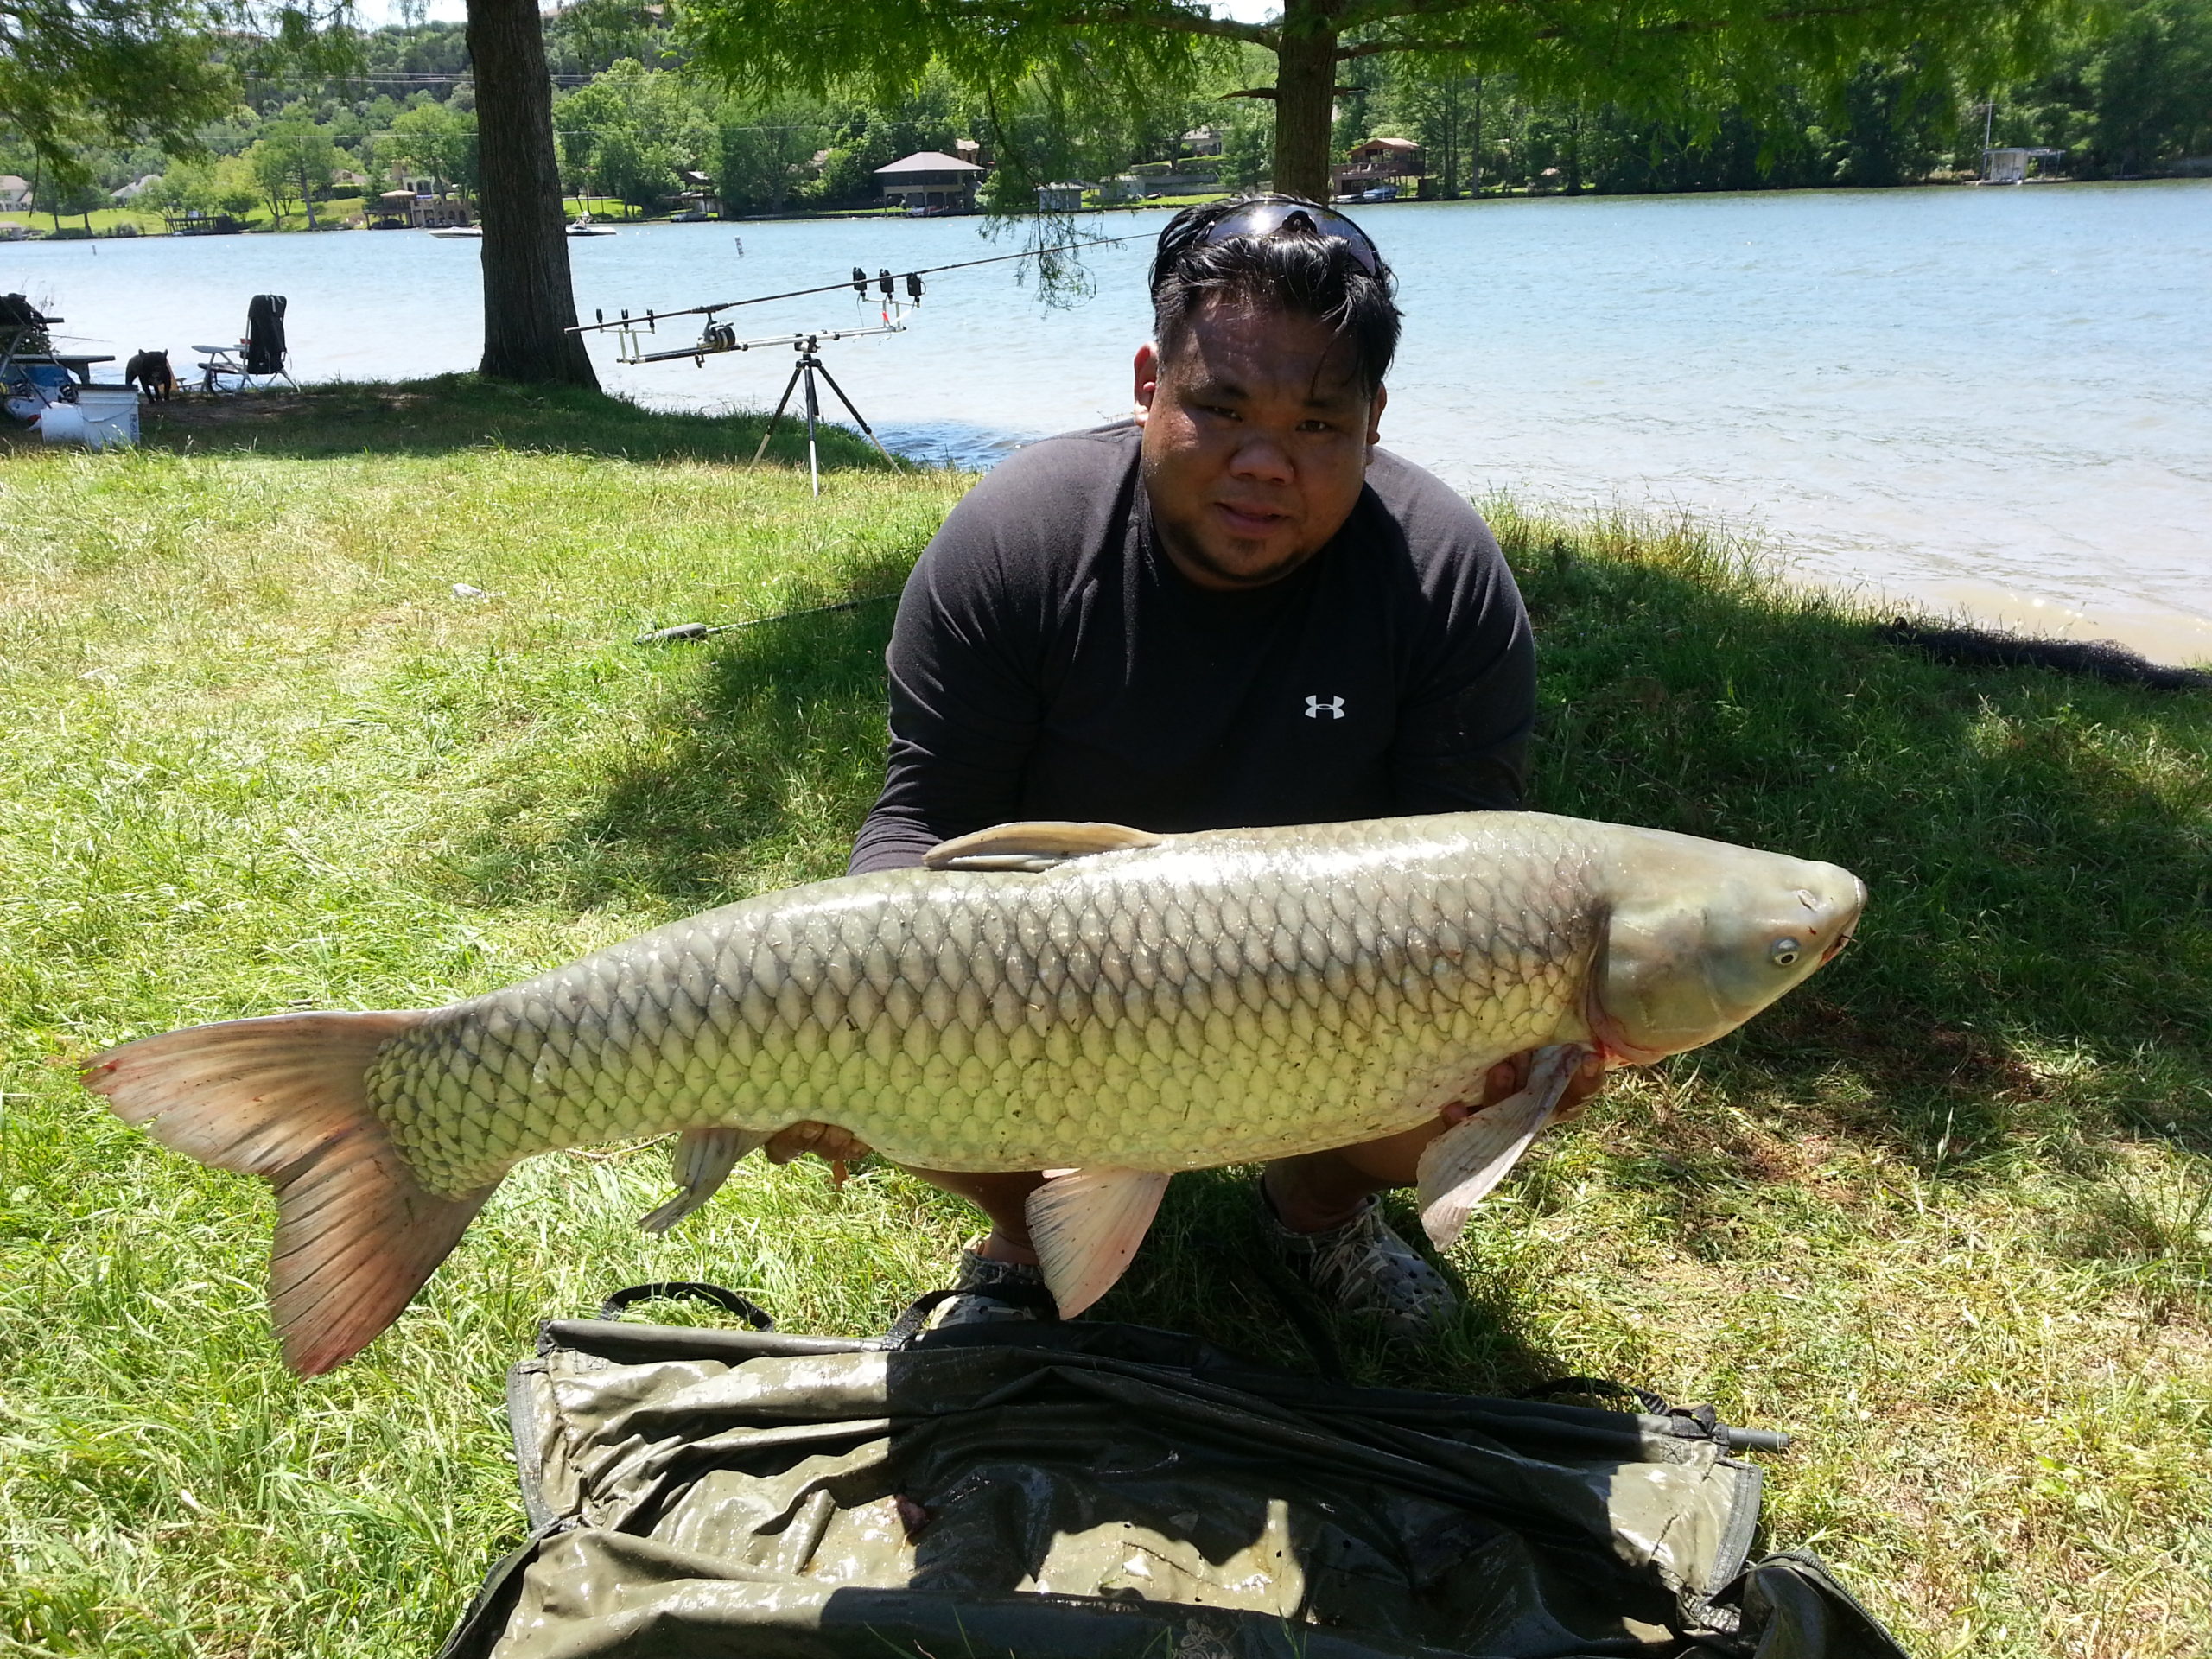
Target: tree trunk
x=1452 y=137
x=1475 y=153
x=529 y=303
x=1305 y=87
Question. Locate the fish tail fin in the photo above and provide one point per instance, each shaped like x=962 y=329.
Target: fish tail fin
x=287 y=1099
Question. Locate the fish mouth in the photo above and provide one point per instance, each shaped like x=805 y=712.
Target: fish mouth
x=1850 y=927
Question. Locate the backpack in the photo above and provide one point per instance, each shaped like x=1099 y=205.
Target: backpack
x=1108 y=1491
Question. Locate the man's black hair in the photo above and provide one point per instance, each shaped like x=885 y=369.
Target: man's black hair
x=1316 y=277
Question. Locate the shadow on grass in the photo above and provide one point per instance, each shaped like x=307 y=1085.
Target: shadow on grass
x=756 y=772
x=464 y=411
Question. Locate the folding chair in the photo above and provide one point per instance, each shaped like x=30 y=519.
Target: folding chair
x=266 y=356
x=262 y=355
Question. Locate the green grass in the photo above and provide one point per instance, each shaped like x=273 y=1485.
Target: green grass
x=105 y=221
x=1947 y=1214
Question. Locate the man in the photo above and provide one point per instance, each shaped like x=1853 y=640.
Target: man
x=1233 y=610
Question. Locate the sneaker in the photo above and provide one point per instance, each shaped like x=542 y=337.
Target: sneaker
x=1364 y=1269
x=982 y=1276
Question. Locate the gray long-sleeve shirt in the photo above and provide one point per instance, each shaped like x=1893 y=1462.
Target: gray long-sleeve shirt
x=1049 y=661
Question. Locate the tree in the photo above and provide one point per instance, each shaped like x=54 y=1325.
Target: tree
x=2152 y=83
x=1099 y=53
x=530 y=302
x=272 y=163
x=73 y=75
x=438 y=142
x=292 y=163
x=759 y=152
x=1248 y=145
x=83 y=199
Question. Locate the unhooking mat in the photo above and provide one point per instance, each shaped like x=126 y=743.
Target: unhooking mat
x=1107 y=1491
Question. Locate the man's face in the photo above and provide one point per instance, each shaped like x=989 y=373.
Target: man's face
x=1256 y=441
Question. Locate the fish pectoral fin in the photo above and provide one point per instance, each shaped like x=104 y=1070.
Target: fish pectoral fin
x=1459 y=1167
x=1037 y=845
x=701 y=1162
x=1086 y=1226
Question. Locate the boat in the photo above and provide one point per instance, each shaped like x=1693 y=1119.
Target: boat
x=460 y=234
x=583 y=226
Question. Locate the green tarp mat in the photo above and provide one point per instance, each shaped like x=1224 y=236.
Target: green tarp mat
x=1106 y=1492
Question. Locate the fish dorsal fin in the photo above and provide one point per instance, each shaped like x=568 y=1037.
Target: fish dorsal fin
x=1086 y=1224
x=1037 y=845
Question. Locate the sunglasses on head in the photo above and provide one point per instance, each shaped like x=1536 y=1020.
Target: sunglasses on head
x=1270 y=217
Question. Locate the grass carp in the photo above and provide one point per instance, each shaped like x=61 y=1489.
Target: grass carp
x=1039 y=996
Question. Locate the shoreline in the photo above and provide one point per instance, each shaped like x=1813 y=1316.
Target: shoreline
x=2169 y=637
x=848 y=214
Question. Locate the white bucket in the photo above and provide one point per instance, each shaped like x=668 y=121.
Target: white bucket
x=110 y=413
x=63 y=423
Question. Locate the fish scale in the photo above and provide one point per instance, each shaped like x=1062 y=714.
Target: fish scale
x=966 y=1020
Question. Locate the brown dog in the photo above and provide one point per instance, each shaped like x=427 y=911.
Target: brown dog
x=151 y=372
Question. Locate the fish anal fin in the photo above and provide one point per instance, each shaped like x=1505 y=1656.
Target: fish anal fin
x=701 y=1162
x=287 y=1099
x=1036 y=845
x=1459 y=1168
x=1086 y=1227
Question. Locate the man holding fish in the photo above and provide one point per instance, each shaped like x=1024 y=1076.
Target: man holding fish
x=1053 y=952
x=1234 y=610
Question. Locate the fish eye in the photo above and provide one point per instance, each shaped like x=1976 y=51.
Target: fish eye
x=1783 y=953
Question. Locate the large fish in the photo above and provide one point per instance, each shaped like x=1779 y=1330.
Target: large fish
x=1040 y=996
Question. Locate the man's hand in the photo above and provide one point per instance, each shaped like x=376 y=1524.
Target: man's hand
x=822 y=1140
x=1510 y=1076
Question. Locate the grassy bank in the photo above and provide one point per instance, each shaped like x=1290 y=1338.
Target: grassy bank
x=1947 y=1215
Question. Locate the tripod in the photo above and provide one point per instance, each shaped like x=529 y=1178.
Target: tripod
x=802 y=372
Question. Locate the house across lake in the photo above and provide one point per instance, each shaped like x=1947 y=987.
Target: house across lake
x=930 y=179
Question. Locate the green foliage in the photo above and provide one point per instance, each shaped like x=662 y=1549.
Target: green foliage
x=594 y=35
x=627 y=132
x=295 y=162
x=436 y=141
x=74 y=75
x=762 y=152
x=1086 y=63
x=1048 y=101
x=1248 y=145
x=2127 y=91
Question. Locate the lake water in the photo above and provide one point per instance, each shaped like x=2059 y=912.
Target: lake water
x=1999 y=400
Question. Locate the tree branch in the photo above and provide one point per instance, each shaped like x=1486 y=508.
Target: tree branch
x=1172 y=19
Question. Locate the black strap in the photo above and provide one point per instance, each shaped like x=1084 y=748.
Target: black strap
x=1599 y=1387
x=908 y=1326
x=687 y=1290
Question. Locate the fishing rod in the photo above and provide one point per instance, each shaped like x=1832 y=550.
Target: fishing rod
x=858 y=283
x=720 y=337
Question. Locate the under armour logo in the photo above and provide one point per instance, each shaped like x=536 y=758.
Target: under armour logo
x=1334 y=707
